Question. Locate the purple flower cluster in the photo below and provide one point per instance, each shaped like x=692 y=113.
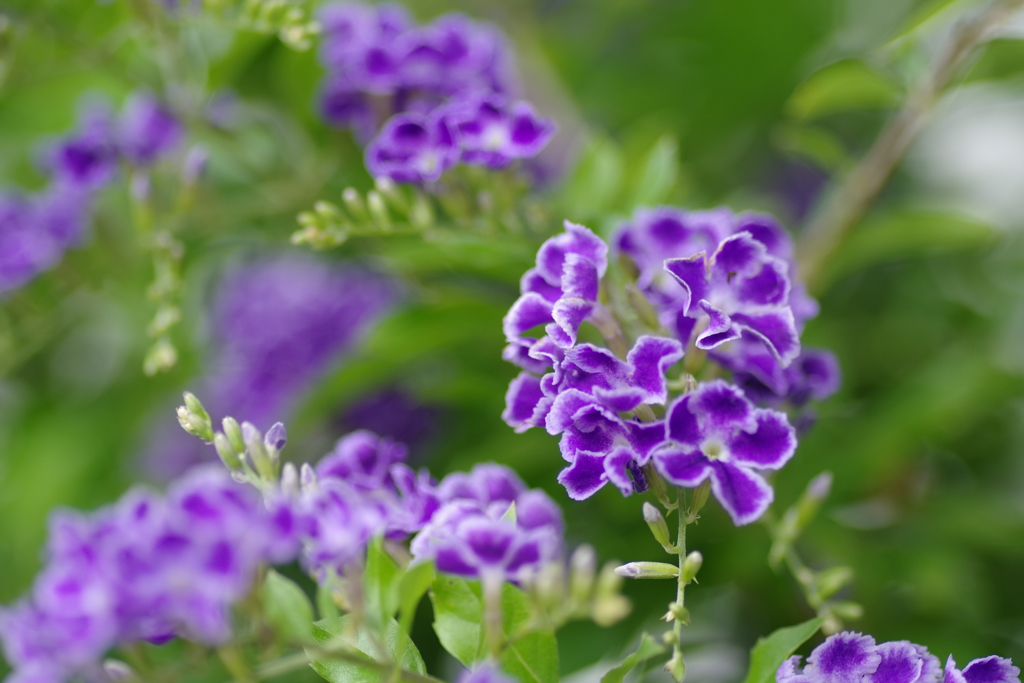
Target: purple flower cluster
x=149 y=567
x=600 y=403
x=363 y=489
x=36 y=231
x=725 y=283
x=491 y=526
x=278 y=324
x=432 y=95
x=850 y=657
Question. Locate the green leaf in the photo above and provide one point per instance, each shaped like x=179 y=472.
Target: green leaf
x=414 y=584
x=396 y=644
x=656 y=175
x=287 y=609
x=380 y=583
x=597 y=182
x=769 y=653
x=903 y=234
x=648 y=648
x=1001 y=59
x=531 y=656
x=844 y=86
x=325 y=605
x=815 y=144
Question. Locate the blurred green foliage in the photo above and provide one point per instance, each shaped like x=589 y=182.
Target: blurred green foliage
x=695 y=103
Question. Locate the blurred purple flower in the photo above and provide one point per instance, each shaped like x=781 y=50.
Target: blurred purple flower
x=147 y=568
x=990 y=669
x=89 y=157
x=395 y=414
x=715 y=432
x=485 y=673
x=147 y=129
x=813 y=376
x=413 y=148
x=493 y=133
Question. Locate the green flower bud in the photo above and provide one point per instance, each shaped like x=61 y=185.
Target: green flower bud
x=378 y=210
x=228 y=455
x=829 y=581
x=700 y=497
x=643 y=308
x=582 y=567
x=656 y=521
x=692 y=565
x=355 y=205
x=648 y=570
x=234 y=434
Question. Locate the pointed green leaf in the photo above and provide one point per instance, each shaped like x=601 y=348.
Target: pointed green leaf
x=458 y=614
x=287 y=609
x=769 y=653
x=597 y=181
x=395 y=643
x=849 y=85
x=380 y=583
x=648 y=648
x=411 y=589
x=325 y=605
x=657 y=174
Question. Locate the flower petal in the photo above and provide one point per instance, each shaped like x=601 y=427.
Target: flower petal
x=650 y=358
x=790 y=672
x=721 y=407
x=991 y=669
x=743 y=494
x=770 y=446
x=579 y=278
x=769 y=287
x=691 y=274
x=901 y=663
x=843 y=658
x=720 y=328
x=682 y=423
x=521 y=399
x=568 y=314
x=616 y=469
x=737 y=255
x=777 y=329
x=585 y=476
x=681 y=466
x=644 y=437
x=529 y=311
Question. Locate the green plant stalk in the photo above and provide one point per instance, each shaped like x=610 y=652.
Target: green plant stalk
x=679 y=670
x=851 y=200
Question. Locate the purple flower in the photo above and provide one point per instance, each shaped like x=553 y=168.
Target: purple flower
x=485 y=673
x=475 y=534
x=493 y=133
x=716 y=432
x=147 y=568
x=147 y=130
x=812 y=376
x=88 y=158
x=739 y=288
x=413 y=148
x=561 y=291
x=362 y=459
x=396 y=414
x=990 y=669
x=346 y=106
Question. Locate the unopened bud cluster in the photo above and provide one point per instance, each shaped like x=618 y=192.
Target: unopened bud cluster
x=579 y=591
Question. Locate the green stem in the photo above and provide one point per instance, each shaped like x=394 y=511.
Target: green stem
x=861 y=186
x=493 y=637
x=676 y=665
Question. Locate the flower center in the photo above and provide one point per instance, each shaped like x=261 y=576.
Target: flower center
x=713 y=449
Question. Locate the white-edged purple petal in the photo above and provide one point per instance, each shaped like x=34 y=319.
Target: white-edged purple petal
x=692 y=275
x=991 y=669
x=720 y=328
x=682 y=466
x=529 y=311
x=738 y=255
x=534 y=281
x=683 y=426
x=769 y=446
x=721 y=408
x=521 y=399
x=743 y=494
x=568 y=315
x=932 y=669
x=650 y=358
x=616 y=469
x=644 y=437
x=574 y=405
x=585 y=476
x=575 y=240
x=517 y=352
x=776 y=328
x=768 y=287
x=790 y=671
x=579 y=278
x=901 y=663
x=536 y=510
x=843 y=658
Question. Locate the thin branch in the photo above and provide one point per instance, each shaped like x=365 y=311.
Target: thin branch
x=861 y=186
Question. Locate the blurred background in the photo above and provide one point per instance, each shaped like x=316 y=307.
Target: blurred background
x=695 y=103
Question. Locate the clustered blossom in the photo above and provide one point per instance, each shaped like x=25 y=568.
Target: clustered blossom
x=149 y=567
x=424 y=97
x=154 y=567
x=600 y=403
x=850 y=657
x=36 y=230
x=277 y=324
x=726 y=283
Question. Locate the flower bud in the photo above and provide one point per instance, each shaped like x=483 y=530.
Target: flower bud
x=195 y=405
x=582 y=567
x=378 y=210
x=656 y=521
x=290 y=479
x=677 y=612
x=809 y=504
x=692 y=565
x=389 y=191
x=276 y=437
x=254 y=446
x=307 y=478
x=643 y=308
x=676 y=666
x=228 y=455
x=700 y=496
x=194 y=423
x=355 y=205
x=656 y=484
x=648 y=570
x=609 y=605
x=829 y=581
x=234 y=434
